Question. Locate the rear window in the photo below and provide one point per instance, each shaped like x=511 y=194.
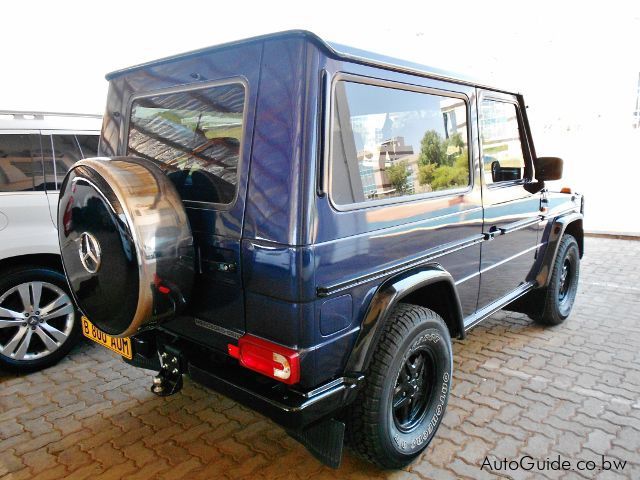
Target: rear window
x=88 y=145
x=196 y=135
x=67 y=148
x=20 y=163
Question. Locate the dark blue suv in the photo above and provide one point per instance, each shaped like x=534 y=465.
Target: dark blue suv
x=303 y=227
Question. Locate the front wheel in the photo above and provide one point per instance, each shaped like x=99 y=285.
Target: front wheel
x=406 y=389
x=38 y=321
x=560 y=294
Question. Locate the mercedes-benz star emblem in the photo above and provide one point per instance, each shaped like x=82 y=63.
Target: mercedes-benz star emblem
x=89 y=251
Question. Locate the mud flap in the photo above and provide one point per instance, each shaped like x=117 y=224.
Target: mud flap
x=531 y=304
x=324 y=440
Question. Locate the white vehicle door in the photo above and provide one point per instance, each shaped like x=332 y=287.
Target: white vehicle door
x=24 y=211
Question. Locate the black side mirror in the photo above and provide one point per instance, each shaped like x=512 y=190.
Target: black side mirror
x=548 y=168
x=495 y=171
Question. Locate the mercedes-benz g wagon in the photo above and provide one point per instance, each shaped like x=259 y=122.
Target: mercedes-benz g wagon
x=304 y=227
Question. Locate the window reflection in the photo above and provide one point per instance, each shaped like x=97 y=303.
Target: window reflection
x=196 y=135
x=20 y=166
x=501 y=148
x=67 y=148
x=389 y=143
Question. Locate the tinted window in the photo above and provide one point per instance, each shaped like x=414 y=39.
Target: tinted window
x=66 y=148
x=67 y=152
x=389 y=143
x=88 y=145
x=20 y=163
x=196 y=135
x=501 y=148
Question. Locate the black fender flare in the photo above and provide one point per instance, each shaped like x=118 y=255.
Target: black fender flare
x=557 y=228
x=385 y=299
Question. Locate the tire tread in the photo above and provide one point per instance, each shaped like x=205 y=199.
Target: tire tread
x=550 y=315
x=362 y=424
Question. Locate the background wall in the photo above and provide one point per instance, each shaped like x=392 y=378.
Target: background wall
x=577 y=64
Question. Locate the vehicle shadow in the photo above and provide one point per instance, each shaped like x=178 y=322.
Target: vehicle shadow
x=102 y=419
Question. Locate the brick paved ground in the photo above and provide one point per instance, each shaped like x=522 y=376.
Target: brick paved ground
x=518 y=389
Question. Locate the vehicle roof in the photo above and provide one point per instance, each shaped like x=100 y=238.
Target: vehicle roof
x=26 y=120
x=337 y=50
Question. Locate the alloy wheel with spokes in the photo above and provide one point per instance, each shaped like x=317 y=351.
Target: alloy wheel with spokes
x=412 y=392
x=36 y=319
x=559 y=295
x=406 y=389
x=565 y=279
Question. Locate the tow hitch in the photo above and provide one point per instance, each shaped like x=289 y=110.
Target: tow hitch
x=169 y=379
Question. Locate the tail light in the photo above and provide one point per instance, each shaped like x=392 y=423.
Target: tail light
x=270 y=359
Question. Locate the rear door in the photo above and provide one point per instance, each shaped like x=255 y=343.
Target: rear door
x=24 y=212
x=201 y=136
x=511 y=213
x=60 y=150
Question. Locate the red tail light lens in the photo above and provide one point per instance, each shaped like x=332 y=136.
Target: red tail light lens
x=267 y=358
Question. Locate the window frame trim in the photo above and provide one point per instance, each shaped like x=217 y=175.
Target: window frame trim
x=524 y=144
x=126 y=128
x=48 y=132
x=396 y=85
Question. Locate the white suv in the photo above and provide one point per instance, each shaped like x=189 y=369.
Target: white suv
x=38 y=321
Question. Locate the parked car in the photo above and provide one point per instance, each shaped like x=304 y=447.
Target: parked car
x=38 y=322
x=304 y=227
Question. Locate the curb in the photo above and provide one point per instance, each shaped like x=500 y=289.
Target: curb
x=615 y=235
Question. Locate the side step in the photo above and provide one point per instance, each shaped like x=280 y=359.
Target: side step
x=324 y=440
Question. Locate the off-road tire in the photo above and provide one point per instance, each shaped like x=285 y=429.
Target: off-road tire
x=373 y=430
x=557 y=307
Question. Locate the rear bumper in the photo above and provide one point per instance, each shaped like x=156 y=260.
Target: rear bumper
x=286 y=405
x=291 y=409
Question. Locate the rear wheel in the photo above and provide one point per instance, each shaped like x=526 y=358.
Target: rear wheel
x=38 y=321
x=406 y=389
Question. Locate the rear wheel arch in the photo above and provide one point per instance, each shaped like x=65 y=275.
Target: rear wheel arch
x=37 y=260
x=442 y=298
x=430 y=286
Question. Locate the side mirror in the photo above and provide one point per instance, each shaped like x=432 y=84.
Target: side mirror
x=548 y=168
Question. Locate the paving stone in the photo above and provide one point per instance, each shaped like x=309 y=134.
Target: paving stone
x=572 y=390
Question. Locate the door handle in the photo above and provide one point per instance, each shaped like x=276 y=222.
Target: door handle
x=491 y=234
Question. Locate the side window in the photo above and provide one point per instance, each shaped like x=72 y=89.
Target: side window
x=502 y=155
x=67 y=149
x=88 y=145
x=389 y=143
x=197 y=135
x=20 y=163
x=66 y=152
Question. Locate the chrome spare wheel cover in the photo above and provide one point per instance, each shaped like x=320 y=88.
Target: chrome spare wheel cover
x=126 y=243
x=36 y=318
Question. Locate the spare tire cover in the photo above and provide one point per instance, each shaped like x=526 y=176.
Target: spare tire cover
x=126 y=244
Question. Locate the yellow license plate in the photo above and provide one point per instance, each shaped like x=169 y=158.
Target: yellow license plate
x=122 y=346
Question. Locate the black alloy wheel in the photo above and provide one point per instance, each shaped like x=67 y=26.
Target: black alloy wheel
x=560 y=295
x=413 y=390
x=406 y=388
